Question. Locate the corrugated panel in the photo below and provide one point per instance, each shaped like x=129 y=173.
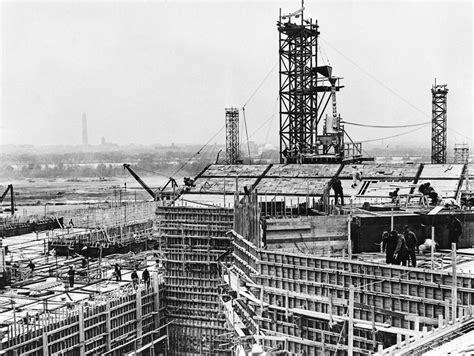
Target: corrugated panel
x=382 y=171
x=291 y=186
x=235 y=170
x=303 y=170
x=444 y=171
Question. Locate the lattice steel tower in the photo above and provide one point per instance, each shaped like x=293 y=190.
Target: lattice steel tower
x=304 y=95
x=438 y=123
x=232 y=150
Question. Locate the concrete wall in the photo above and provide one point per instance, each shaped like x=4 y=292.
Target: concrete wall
x=316 y=235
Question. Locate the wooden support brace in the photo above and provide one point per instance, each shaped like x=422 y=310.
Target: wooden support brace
x=440 y=321
x=139 y=317
x=350 y=345
x=81 y=330
x=108 y=325
x=45 y=344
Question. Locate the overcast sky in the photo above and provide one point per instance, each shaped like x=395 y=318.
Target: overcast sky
x=162 y=72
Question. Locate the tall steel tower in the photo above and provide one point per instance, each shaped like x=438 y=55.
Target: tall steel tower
x=232 y=150
x=85 y=138
x=438 y=123
x=305 y=92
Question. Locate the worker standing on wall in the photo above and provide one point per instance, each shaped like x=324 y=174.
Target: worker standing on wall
x=394 y=196
x=32 y=267
x=338 y=191
x=135 y=279
x=71 y=274
x=389 y=245
x=118 y=272
x=146 y=277
x=455 y=229
x=401 y=252
x=412 y=245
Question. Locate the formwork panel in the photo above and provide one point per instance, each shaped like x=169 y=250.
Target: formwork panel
x=191 y=240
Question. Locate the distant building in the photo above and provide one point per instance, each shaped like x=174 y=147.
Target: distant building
x=85 y=138
x=102 y=140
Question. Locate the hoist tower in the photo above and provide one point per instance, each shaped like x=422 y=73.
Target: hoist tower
x=439 y=123
x=307 y=133
x=232 y=151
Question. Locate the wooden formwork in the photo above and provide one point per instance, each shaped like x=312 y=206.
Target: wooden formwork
x=112 y=239
x=111 y=323
x=113 y=215
x=304 y=299
x=191 y=241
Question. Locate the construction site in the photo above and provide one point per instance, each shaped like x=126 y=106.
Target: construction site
x=283 y=258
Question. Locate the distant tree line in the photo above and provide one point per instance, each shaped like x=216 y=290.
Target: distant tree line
x=101 y=164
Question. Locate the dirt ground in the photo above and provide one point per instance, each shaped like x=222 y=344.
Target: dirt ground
x=38 y=196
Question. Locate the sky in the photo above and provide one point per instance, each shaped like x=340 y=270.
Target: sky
x=162 y=72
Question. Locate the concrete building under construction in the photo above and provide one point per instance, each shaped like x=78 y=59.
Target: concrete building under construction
x=260 y=259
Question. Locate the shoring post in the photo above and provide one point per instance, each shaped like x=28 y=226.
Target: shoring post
x=432 y=246
x=138 y=306
x=349 y=237
x=417 y=326
x=350 y=339
x=238 y=285
x=81 y=331
x=330 y=308
x=45 y=344
x=454 y=290
x=447 y=309
x=391 y=219
x=440 y=321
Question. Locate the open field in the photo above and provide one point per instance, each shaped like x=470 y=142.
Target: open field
x=39 y=196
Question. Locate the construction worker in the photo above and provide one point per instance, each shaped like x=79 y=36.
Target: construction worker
x=71 y=274
x=31 y=266
x=394 y=195
x=401 y=252
x=455 y=229
x=412 y=245
x=338 y=191
x=389 y=245
x=356 y=177
x=427 y=190
x=135 y=279
x=118 y=272
x=146 y=277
